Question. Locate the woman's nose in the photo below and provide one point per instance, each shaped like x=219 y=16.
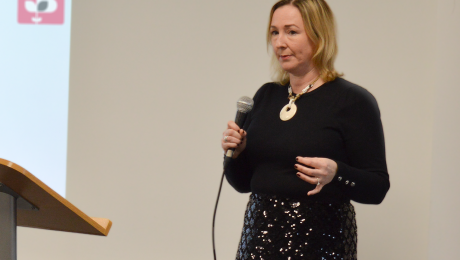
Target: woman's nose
x=280 y=41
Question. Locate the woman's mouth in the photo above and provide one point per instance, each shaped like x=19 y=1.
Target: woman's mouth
x=284 y=57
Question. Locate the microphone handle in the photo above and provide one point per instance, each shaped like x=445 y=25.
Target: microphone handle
x=239 y=120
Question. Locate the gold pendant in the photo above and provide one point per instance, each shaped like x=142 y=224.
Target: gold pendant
x=287 y=113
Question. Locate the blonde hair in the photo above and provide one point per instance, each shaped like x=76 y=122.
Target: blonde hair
x=320 y=28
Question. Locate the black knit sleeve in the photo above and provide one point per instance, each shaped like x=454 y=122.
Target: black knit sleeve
x=239 y=174
x=364 y=178
x=238 y=171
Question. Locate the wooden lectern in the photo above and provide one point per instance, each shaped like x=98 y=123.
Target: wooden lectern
x=26 y=201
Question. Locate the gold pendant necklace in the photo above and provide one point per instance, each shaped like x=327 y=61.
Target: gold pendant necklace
x=289 y=110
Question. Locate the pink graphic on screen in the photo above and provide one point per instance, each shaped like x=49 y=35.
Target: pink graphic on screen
x=41 y=11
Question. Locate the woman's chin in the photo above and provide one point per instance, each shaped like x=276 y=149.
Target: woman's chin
x=288 y=69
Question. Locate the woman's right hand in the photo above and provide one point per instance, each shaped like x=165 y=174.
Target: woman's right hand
x=234 y=137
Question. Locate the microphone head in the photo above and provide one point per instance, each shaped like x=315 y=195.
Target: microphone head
x=244 y=104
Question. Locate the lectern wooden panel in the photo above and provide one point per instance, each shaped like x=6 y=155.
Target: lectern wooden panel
x=54 y=212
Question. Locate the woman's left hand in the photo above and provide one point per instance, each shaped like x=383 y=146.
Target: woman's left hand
x=323 y=171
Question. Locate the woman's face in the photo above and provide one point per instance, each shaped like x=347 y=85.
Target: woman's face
x=291 y=45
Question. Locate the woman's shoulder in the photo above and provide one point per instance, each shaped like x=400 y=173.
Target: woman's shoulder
x=351 y=92
x=272 y=86
x=269 y=88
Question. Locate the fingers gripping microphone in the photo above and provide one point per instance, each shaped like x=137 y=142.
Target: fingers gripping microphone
x=244 y=105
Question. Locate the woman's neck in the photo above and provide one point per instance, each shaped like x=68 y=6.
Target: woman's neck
x=299 y=82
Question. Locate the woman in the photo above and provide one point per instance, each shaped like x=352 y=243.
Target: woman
x=314 y=142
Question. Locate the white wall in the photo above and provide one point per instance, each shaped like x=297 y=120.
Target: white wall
x=153 y=84
x=445 y=209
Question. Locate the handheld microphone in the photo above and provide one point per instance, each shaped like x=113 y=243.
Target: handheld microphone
x=244 y=106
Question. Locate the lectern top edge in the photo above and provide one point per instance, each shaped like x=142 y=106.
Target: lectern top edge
x=55 y=212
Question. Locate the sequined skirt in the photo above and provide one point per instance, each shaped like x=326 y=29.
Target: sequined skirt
x=277 y=228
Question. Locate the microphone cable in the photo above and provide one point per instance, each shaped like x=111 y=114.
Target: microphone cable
x=214 y=217
x=244 y=105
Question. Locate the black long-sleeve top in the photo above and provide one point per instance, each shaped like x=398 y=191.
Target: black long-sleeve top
x=339 y=120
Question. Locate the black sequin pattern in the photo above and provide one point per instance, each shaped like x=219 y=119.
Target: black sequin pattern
x=277 y=228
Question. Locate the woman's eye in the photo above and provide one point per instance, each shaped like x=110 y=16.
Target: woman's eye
x=274 y=33
x=292 y=32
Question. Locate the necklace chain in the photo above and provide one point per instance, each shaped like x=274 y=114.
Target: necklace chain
x=293 y=99
x=289 y=110
x=305 y=90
